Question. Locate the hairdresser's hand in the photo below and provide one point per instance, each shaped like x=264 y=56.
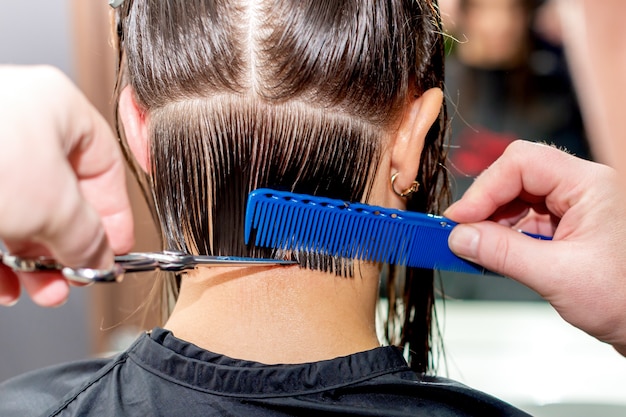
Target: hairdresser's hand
x=582 y=272
x=62 y=187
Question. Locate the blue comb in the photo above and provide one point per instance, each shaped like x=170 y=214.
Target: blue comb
x=298 y=222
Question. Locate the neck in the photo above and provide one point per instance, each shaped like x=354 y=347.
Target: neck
x=277 y=314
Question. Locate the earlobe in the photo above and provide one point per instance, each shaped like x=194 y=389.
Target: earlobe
x=407 y=147
x=135 y=127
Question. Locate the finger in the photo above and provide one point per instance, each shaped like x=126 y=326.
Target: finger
x=93 y=218
x=47 y=289
x=510 y=213
x=9 y=286
x=542 y=224
x=507 y=252
x=524 y=169
x=519 y=216
x=98 y=165
x=75 y=236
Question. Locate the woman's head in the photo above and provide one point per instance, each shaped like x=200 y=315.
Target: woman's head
x=303 y=95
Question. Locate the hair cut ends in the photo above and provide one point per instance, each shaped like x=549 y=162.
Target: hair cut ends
x=230 y=145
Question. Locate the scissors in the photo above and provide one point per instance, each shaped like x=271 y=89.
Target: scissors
x=168 y=260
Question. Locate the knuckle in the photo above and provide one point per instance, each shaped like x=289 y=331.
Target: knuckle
x=517 y=147
x=501 y=250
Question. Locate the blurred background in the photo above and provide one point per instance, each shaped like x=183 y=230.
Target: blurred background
x=507 y=78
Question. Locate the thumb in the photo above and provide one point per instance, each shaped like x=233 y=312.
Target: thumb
x=505 y=251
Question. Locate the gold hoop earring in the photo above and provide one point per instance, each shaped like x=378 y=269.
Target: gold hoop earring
x=407 y=192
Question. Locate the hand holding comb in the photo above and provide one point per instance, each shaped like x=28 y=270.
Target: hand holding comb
x=298 y=222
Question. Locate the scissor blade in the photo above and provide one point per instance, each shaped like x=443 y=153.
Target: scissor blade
x=204 y=260
x=134 y=262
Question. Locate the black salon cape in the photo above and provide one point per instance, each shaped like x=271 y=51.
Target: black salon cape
x=160 y=375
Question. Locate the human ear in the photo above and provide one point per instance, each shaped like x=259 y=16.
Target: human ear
x=407 y=146
x=135 y=127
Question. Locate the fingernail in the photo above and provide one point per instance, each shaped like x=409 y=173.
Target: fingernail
x=449 y=210
x=9 y=301
x=52 y=295
x=464 y=241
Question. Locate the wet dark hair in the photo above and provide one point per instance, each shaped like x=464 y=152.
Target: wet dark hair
x=299 y=95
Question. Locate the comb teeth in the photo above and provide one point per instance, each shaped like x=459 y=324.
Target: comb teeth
x=329 y=227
